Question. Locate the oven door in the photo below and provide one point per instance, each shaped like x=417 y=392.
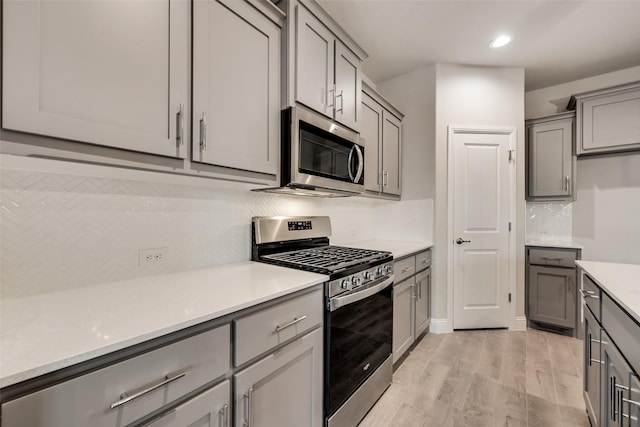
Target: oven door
x=358 y=330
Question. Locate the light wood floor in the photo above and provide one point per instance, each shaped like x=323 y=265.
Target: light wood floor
x=486 y=378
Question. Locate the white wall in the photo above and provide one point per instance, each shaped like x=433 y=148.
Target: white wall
x=554 y=99
x=66 y=225
x=605 y=213
x=475 y=96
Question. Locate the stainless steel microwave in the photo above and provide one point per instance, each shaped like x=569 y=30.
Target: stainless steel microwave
x=319 y=157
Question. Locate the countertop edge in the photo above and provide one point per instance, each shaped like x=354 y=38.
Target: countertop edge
x=612 y=289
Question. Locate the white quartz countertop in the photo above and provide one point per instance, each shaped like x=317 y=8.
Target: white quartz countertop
x=553 y=243
x=398 y=248
x=620 y=281
x=47 y=332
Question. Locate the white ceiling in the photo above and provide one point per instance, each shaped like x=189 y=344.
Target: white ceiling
x=555 y=41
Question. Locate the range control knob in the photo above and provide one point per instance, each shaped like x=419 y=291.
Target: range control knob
x=388 y=269
x=369 y=275
x=356 y=281
x=346 y=284
x=380 y=271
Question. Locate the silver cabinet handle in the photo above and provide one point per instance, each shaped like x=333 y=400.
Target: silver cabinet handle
x=224 y=416
x=125 y=398
x=385 y=179
x=333 y=92
x=341 y=103
x=180 y=126
x=424 y=260
x=203 y=132
x=631 y=402
x=588 y=294
x=404 y=270
x=551 y=259
x=247 y=405
x=566 y=183
x=293 y=322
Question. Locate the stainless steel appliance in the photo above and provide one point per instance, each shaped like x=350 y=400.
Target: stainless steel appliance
x=319 y=157
x=358 y=299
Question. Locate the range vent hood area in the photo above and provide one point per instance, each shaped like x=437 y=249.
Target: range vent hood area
x=307 y=191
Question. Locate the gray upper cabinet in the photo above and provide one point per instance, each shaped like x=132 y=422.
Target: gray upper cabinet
x=550 y=160
x=322 y=63
x=110 y=73
x=236 y=84
x=382 y=135
x=608 y=120
x=328 y=74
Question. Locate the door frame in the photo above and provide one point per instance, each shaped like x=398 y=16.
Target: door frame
x=511 y=132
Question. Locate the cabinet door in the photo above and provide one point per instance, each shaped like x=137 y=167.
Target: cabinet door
x=371 y=132
x=552 y=296
x=403 y=296
x=111 y=73
x=609 y=122
x=236 y=86
x=315 y=46
x=422 y=301
x=615 y=384
x=348 y=79
x=391 y=154
x=591 y=375
x=550 y=159
x=285 y=388
x=632 y=406
x=209 y=409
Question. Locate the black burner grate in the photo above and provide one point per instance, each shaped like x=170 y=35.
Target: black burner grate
x=331 y=258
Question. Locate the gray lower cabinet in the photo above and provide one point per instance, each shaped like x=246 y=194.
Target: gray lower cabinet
x=592 y=362
x=277 y=377
x=551 y=289
x=611 y=360
x=411 y=301
x=550 y=160
x=105 y=398
x=211 y=408
x=284 y=389
x=402 y=313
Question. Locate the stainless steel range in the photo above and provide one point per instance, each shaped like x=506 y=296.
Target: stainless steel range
x=358 y=320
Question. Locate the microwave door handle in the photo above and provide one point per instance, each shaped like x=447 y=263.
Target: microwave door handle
x=360 y=163
x=349 y=160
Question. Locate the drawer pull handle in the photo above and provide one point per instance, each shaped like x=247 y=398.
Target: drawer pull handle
x=126 y=398
x=404 y=270
x=293 y=322
x=551 y=259
x=424 y=260
x=631 y=402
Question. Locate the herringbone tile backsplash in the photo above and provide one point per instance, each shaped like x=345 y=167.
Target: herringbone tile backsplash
x=63 y=231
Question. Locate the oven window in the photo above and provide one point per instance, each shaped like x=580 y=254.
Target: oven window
x=359 y=340
x=323 y=155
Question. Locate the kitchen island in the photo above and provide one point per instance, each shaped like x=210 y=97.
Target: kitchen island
x=611 y=312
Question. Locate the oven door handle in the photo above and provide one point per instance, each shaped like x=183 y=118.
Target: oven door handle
x=338 y=302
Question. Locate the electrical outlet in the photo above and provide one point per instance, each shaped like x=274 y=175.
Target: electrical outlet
x=152 y=257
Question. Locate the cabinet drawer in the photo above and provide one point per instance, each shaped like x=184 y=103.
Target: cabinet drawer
x=87 y=400
x=551 y=257
x=623 y=330
x=423 y=260
x=261 y=331
x=404 y=268
x=591 y=296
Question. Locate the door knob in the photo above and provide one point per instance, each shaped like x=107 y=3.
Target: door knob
x=460 y=241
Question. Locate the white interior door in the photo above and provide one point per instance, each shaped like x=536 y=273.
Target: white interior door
x=481 y=187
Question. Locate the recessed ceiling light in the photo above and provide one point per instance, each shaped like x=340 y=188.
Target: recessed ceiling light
x=500 y=41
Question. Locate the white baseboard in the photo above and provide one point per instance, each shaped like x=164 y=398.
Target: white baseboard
x=440 y=326
x=520 y=324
